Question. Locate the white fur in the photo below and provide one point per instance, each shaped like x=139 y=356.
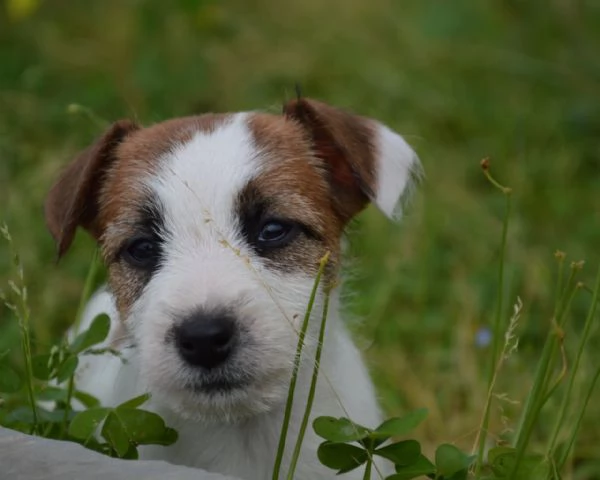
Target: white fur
x=397 y=167
x=246 y=449
x=207 y=264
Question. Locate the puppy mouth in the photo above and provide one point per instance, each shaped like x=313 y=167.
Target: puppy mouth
x=216 y=386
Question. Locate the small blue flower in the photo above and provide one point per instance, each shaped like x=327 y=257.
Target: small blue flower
x=483 y=337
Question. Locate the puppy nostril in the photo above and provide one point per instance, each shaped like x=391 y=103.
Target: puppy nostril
x=221 y=339
x=205 y=340
x=188 y=346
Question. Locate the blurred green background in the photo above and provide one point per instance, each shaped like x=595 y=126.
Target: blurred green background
x=518 y=81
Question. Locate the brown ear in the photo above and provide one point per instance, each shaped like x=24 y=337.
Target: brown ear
x=366 y=160
x=72 y=201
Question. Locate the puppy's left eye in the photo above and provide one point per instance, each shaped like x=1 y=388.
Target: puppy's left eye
x=277 y=233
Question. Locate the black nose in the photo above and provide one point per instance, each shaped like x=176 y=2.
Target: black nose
x=206 y=339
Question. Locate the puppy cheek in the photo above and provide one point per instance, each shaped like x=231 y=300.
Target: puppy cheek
x=292 y=292
x=127 y=285
x=303 y=257
x=148 y=322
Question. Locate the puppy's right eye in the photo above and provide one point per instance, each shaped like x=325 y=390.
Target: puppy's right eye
x=141 y=252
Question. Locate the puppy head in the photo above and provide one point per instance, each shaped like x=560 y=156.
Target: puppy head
x=212 y=229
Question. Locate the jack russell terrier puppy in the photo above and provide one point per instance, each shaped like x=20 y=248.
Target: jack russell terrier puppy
x=212 y=228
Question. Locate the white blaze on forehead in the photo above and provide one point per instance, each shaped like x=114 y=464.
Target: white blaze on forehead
x=199 y=180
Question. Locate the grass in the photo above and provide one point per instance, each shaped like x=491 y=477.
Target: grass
x=497 y=330
x=315 y=375
x=292 y=387
x=22 y=313
x=516 y=81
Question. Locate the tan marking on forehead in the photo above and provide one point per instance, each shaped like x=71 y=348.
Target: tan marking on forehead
x=139 y=155
x=152 y=142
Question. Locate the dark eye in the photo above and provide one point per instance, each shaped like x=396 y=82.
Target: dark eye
x=141 y=252
x=277 y=233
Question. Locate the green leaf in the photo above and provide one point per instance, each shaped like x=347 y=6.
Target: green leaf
x=54 y=416
x=126 y=426
x=132 y=453
x=169 y=437
x=97 y=333
x=85 y=423
x=92 y=443
x=502 y=461
x=341 y=456
x=89 y=401
x=142 y=427
x=115 y=434
x=419 y=468
x=20 y=415
x=24 y=415
x=401 y=453
x=67 y=369
x=397 y=427
x=461 y=475
x=449 y=460
x=135 y=402
x=339 y=429
x=497 y=452
x=52 y=394
x=40 y=366
x=10 y=381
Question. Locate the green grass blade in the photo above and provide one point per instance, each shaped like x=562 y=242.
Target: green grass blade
x=497 y=333
x=565 y=454
x=290 y=398
x=560 y=257
x=539 y=391
x=559 y=344
x=582 y=343
x=23 y=314
x=311 y=393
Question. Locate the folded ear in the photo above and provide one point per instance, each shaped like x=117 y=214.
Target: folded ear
x=366 y=160
x=72 y=200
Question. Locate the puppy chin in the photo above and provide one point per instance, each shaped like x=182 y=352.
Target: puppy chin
x=206 y=400
x=221 y=408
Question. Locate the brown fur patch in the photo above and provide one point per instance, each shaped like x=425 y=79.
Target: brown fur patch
x=73 y=199
x=123 y=199
x=344 y=141
x=137 y=157
x=295 y=183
